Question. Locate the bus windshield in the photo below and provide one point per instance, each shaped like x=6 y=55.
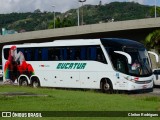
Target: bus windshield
x=140 y=62
x=140 y=65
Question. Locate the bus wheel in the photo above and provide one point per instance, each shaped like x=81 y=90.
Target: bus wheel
x=23 y=81
x=106 y=86
x=36 y=83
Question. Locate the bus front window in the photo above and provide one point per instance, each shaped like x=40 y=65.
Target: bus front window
x=140 y=65
x=140 y=62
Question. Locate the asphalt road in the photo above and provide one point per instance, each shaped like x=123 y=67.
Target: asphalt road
x=156 y=92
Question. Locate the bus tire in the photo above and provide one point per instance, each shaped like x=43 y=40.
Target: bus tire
x=35 y=83
x=23 y=81
x=106 y=86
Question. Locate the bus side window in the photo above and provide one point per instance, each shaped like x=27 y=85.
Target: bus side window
x=44 y=54
x=72 y=54
x=28 y=54
x=100 y=55
x=92 y=53
x=78 y=53
x=83 y=53
x=38 y=54
x=56 y=54
x=6 y=53
x=50 y=54
x=63 y=53
x=20 y=50
x=53 y=54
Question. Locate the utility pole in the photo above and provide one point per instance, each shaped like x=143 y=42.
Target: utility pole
x=82 y=10
x=155 y=8
x=54 y=16
x=78 y=14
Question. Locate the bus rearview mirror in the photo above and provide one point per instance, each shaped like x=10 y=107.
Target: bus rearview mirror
x=156 y=56
x=126 y=55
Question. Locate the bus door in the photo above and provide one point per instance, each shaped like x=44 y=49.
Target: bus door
x=120 y=70
x=120 y=63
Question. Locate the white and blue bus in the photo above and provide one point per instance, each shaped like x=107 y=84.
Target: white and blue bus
x=107 y=64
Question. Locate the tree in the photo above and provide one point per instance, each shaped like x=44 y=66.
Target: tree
x=152 y=41
x=58 y=23
x=152 y=12
x=37 y=11
x=51 y=24
x=66 y=22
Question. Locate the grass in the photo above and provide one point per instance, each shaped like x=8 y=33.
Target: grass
x=74 y=100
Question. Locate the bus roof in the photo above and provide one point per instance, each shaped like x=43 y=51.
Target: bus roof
x=114 y=42
x=60 y=43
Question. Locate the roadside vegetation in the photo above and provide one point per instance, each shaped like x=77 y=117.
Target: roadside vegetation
x=74 y=100
x=152 y=42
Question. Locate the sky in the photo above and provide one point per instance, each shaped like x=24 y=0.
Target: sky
x=9 y=6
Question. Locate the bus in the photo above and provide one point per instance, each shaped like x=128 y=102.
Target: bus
x=107 y=64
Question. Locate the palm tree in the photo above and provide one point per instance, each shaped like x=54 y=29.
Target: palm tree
x=152 y=41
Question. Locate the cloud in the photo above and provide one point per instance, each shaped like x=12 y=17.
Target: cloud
x=138 y=1
x=8 y=6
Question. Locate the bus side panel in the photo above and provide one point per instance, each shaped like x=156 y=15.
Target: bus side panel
x=89 y=79
x=92 y=79
x=50 y=76
x=70 y=79
x=45 y=77
x=67 y=79
x=94 y=73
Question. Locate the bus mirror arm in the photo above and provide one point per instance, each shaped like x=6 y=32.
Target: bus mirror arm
x=125 y=54
x=156 y=56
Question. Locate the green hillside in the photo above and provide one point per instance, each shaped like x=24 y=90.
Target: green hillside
x=92 y=14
